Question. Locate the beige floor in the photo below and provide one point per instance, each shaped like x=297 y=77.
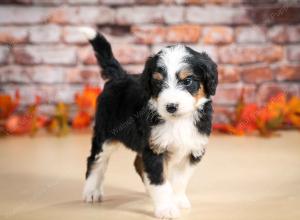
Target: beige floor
x=239 y=178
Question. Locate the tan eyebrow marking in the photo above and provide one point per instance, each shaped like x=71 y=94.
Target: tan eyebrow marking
x=184 y=74
x=157 y=76
x=200 y=93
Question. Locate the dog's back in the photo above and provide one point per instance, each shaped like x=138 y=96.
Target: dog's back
x=122 y=106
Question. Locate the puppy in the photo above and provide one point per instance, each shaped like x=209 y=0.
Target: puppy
x=164 y=115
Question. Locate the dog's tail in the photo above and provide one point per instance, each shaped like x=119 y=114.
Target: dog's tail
x=111 y=68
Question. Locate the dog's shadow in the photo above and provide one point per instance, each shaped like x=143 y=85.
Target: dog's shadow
x=116 y=198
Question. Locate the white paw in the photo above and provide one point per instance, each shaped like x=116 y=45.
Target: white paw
x=92 y=195
x=183 y=202
x=89 y=32
x=199 y=153
x=168 y=211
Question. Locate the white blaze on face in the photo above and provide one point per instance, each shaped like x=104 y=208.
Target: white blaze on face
x=172 y=59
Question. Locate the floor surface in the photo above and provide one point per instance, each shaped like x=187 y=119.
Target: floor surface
x=240 y=178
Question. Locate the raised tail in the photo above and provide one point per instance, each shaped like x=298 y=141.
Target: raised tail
x=111 y=68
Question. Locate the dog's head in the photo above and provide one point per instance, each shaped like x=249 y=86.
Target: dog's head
x=179 y=80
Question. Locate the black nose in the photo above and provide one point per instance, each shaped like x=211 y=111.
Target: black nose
x=172 y=107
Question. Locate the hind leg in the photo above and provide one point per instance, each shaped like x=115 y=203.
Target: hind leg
x=97 y=165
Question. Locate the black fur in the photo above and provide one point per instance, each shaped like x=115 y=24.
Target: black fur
x=123 y=113
x=111 y=68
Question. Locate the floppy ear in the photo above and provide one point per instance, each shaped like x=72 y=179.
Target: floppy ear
x=210 y=75
x=147 y=75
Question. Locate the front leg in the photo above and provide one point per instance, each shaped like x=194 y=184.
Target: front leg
x=179 y=178
x=158 y=187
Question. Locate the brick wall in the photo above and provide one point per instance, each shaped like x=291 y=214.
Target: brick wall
x=256 y=43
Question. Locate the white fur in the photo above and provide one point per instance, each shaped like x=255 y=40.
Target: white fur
x=179 y=136
x=89 y=32
x=162 y=196
x=186 y=102
x=172 y=59
x=93 y=188
x=179 y=175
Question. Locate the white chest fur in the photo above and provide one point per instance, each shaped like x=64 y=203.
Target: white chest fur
x=179 y=137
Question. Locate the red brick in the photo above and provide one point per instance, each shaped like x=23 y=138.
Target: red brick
x=195 y=2
x=256 y=74
x=278 y=34
x=228 y=74
x=134 y=69
x=253 y=34
x=150 y=2
x=186 y=33
x=21 y=2
x=4 y=53
x=131 y=54
x=81 y=15
x=37 y=74
x=72 y=34
x=45 y=55
x=13 y=35
x=244 y=54
x=64 y=93
x=293 y=32
x=117 y=2
x=22 y=15
x=15 y=74
x=275 y=14
x=140 y=14
x=86 y=75
x=217 y=15
x=287 y=72
x=86 y=55
x=47 y=75
x=78 y=2
x=229 y=94
x=293 y=53
x=48 y=2
x=149 y=34
x=209 y=49
x=126 y=54
x=223 y=114
x=174 y=14
x=217 y=35
x=45 y=34
x=285 y=34
x=269 y=90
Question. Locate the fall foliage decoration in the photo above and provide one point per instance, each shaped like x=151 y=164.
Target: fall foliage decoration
x=7 y=107
x=58 y=124
x=278 y=113
x=28 y=122
x=86 y=103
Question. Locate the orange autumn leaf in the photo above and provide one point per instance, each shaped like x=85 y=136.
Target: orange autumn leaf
x=227 y=128
x=18 y=124
x=293 y=112
x=8 y=105
x=247 y=118
x=86 y=102
x=88 y=98
x=81 y=120
x=274 y=115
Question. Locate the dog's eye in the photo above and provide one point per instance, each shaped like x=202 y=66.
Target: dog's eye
x=187 y=81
